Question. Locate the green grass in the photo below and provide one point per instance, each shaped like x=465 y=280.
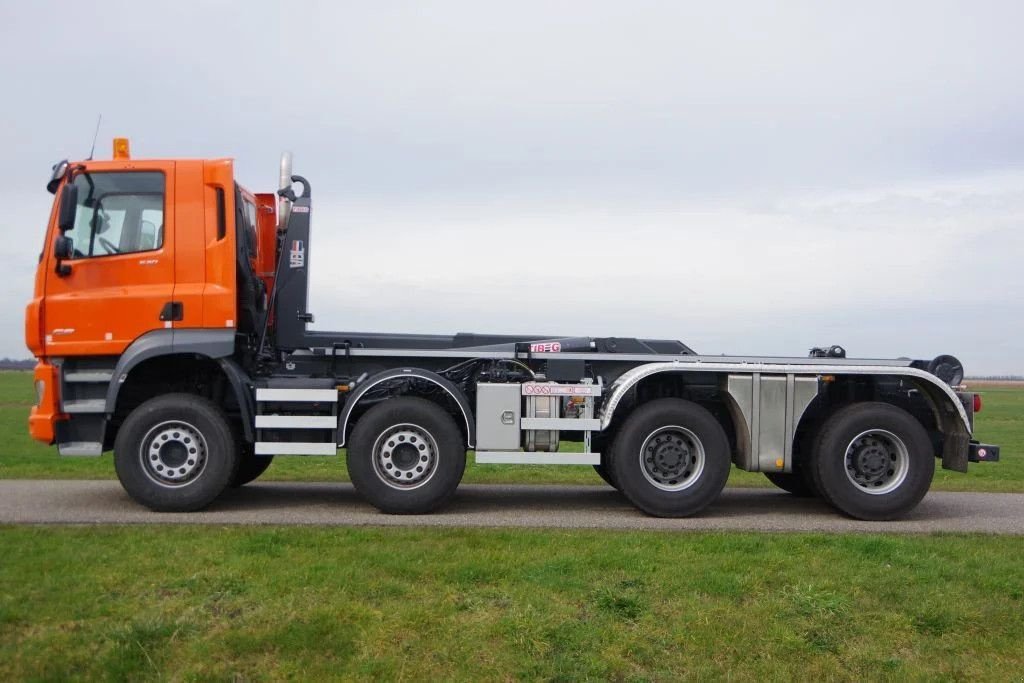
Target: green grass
x=1001 y=422
x=185 y=603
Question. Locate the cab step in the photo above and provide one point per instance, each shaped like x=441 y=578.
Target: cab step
x=297 y=420
x=89 y=377
x=81 y=448
x=85 y=406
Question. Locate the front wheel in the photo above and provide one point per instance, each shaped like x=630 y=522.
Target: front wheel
x=873 y=461
x=175 y=453
x=671 y=458
x=406 y=456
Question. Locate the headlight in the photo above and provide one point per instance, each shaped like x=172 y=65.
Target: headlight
x=40 y=390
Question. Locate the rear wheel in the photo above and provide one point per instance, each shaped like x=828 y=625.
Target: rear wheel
x=406 y=456
x=670 y=458
x=873 y=461
x=175 y=453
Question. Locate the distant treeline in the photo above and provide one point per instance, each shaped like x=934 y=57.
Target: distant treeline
x=995 y=378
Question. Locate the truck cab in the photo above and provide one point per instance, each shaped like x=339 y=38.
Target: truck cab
x=140 y=249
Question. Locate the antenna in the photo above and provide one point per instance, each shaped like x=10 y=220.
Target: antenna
x=92 y=150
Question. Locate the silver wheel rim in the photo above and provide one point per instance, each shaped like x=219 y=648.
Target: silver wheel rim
x=672 y=458
x=877 y=461
x=405 y=456
x=173 y=454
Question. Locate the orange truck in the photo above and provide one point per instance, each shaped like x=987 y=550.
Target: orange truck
x=170 y=324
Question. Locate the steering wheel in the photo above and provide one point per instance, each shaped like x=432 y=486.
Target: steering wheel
x=108 y=245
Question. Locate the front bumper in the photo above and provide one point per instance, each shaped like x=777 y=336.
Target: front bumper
x=44 y=415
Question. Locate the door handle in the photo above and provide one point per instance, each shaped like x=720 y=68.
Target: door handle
x=173 y=311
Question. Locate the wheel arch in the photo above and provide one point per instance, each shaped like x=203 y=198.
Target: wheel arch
x=173 y=355
x=950 y=416
x=410 y=382
x=673 y=382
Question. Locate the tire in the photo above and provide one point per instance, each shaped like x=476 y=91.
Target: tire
x=250 y=467
x=795 y=482
x=384 y=467
x=873 y=461
x=604 y=472
x=693 y=447
x=175 y=453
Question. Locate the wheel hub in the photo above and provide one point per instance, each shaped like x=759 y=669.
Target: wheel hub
x=672 y=458
x=877 y=461
x=173 y=453
x=405 y=456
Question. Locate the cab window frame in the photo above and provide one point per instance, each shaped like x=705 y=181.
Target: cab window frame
x=90 y=240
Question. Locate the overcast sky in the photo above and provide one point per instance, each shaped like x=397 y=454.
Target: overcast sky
x=744 y=177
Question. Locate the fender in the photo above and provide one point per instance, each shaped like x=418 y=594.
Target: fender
x=404 y=373
x=217 y=345
x=949 y=412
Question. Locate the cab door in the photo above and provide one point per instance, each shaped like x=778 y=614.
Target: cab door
x=119 y=282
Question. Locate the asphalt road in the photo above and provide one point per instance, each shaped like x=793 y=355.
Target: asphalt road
x=577 y=507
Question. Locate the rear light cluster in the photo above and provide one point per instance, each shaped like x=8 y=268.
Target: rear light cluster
x=977 y=403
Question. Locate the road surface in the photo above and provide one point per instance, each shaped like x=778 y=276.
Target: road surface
x=575 y=507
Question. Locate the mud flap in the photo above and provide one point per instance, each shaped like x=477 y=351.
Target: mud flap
x=954 y=452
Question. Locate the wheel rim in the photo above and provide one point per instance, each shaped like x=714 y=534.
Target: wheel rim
x=173 y=454
x=405 y=456
x=877 y=461
x=672 y=458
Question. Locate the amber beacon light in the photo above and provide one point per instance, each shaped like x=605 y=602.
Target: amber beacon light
x=121 y=148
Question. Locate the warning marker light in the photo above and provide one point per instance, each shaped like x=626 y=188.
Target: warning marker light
x=121 y=148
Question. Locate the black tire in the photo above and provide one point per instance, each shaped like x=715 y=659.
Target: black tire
x=690 y=437
x=175 y=453
x=794 y=482
x=250 y=466
x=376 y=464
x=604 y=472
x=874 y=447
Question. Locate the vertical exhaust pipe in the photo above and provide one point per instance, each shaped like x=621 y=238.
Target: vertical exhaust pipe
x=284 y=205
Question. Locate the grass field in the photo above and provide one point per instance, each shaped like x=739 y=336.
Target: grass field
x=1001 y=422
x=179 y=603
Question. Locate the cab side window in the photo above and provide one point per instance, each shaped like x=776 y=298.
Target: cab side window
x=118 y=213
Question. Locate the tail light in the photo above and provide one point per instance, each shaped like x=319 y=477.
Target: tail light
x=977 y=403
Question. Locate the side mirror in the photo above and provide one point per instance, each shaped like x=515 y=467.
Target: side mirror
x=68 y=206
x=63 y=247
